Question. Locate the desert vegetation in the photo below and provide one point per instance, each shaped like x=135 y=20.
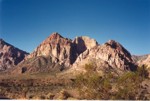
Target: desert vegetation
x=88 y=85
x=109 y=86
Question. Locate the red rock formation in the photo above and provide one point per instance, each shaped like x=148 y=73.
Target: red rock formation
x=80 y=51
x=9 y=55
x=109 y=54
x=61 y=49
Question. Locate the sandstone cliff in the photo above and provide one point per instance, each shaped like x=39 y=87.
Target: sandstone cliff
x=106 y=56
x=63 y=50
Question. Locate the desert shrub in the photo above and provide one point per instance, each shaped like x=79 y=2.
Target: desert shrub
x=42 y=97
x=142 y=71
x=50 y=96
x=62 y=95
x=29 y=95
x=91 y=85
x=127 y=86
x=90 y=68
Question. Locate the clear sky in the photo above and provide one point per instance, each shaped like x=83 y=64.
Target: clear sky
x=26 y=23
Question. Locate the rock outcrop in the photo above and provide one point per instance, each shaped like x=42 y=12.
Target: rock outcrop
x=60 y=49
x=9 y=55
x=145 y=61
x=63 y=50
x=111 y=54
x=137 y=58
x=55 y=51
x=83 y=43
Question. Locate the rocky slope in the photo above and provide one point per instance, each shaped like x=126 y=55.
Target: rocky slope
x=145 y=61
x=63 y=50
x=83 y=43
x=9 y=55
x=137 y=58
x=61 y=53
x=110 y=55
x=55 y=51
x=57 y=47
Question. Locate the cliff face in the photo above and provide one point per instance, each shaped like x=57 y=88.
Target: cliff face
x=59 y=48
x=63 y=50
x=83 y=43
x=111 y=54
x=10 y=56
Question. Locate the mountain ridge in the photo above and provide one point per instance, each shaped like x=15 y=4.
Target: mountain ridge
x=60 y=63
x=67 y=53
x=10 y=56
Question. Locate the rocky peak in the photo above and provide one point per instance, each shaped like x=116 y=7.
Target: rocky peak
x=63 y=50
x=118 y=47
x=10 y=55
x=113 y=44
x=59 y=48
x=1 y=40
x=2 y=43
x=82 y=43
x=56 y=39
x=112 y=53
x=55 y=35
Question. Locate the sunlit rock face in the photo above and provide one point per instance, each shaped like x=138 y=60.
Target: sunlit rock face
x=59 y=48
x=145 y=61
x=82 y=43
x=111 y=54
x=63 y=50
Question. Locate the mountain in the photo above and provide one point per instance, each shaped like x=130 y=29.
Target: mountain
x=63 y=50
x=110 y=55
x=10 y=56
x=57 y=53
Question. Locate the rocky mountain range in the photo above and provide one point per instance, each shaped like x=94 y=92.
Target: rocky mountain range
x=59 y=53
x=10 y=56
x=61 y=68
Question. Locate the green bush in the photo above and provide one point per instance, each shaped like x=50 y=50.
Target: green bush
x=127 y=86
x=91 y=85
x=142 y=71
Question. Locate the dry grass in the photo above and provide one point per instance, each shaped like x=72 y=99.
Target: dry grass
x=32 y=86
x=89 y=85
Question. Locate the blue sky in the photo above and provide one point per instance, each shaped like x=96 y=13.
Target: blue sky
x=26 y=23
